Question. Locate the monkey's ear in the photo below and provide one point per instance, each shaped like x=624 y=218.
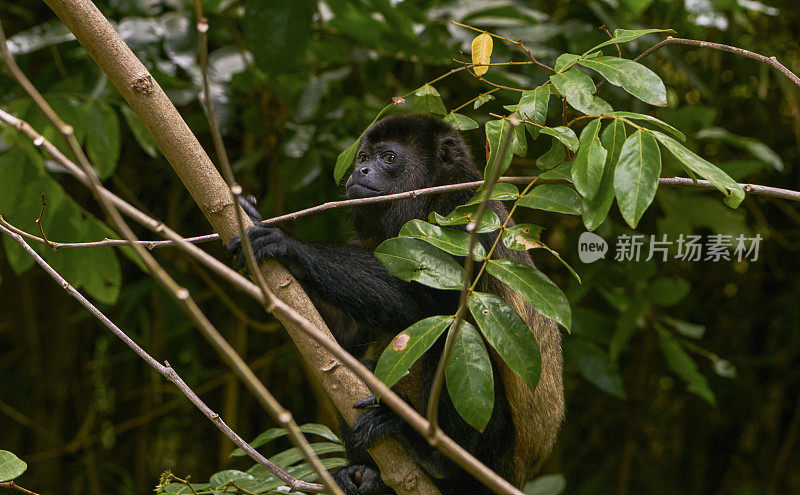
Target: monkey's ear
x=450 y=151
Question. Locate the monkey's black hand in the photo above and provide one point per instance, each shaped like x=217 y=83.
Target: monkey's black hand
x=361 y=480
x=267 y=242
x=248 y=204
x=378 y=420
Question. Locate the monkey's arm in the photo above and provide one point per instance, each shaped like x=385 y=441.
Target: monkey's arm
x=348 y=277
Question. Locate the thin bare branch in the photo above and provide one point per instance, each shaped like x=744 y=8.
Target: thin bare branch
x=469 y=265
x=295 y=434
x=773 y=61
x=180 y=294
x=13 y=486
x=165 y=370
x=755 y=189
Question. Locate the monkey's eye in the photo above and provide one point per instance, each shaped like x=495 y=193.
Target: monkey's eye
x=388 y=157
x=362 y=157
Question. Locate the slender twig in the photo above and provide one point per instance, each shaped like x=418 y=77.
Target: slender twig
x=13 y=486
x=444 y=443
x=165 y=370
x=508 y=40
x=469 y=264
x=755 y=189
x=471 y=65
x=279 y=413
x=40 y=223
x=605 y=30
x=456 y=109
x=773 y=61
x=180 y=294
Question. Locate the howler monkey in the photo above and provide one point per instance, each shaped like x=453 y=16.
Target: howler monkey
x=365 y=307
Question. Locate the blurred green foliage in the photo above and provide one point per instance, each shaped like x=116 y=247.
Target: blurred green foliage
x=681 y=376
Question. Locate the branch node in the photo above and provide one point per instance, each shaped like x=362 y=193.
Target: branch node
x=143 y=84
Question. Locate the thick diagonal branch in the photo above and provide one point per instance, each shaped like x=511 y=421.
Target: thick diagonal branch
x=198 y=174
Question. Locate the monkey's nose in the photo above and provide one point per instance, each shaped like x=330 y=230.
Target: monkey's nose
x=365 y=170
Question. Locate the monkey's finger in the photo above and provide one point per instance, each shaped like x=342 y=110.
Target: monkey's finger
x=368 y=401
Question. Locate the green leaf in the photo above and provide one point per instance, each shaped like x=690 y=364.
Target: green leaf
x=564 y=134
x=103 y=281
x=344 y=161
x=636 y=175
x=595 y=211
x=552 y=197
x=587 y=168
x=460 y=122
x=734 y=194
x=561 y=172
x=275 y=433
x=647 y=118
x=565 y=61
x=408 y=346
x=496 y=131
x=463 y=214
x=685 y=367
x=533 y=285
x=102 y=137
x=11 y=466
x=294 y=455
x=223 y=477
x=522 y=236
x=631 y=76
x=520 y=141
x=481 y=100
x=579 y=90
x=552 y=157
x=508 y=334
x=140 y=132
x=455 y=242
x=427 y=100
x=469 y=377
x=533 y=106
x=502 y=191
x=594 y=365
x=626 y=35
x=414 y=260
x=277 y=33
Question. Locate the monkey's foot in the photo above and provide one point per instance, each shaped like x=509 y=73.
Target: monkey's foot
x=378 y=420
x=361 y=480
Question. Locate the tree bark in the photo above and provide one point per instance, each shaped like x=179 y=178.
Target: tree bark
x=195 y=169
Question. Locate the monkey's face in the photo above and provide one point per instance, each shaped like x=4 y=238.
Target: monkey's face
x=382 y=168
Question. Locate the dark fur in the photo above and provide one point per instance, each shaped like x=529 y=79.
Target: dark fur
x=365 y=307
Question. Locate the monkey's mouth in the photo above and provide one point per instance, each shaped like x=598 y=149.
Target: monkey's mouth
x=358 y=190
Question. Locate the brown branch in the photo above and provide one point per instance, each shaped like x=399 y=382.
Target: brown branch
x=13 y=486
x=278 y=411
x=196 y=171
x=180 y=294
x=773 y=61
x=605 y=30
x=469 y=265
x=130 y=77
x=165 y=370
x=755 y=189
x=44 y=206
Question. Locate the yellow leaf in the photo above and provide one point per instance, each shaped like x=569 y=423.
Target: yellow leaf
x=481 y=53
